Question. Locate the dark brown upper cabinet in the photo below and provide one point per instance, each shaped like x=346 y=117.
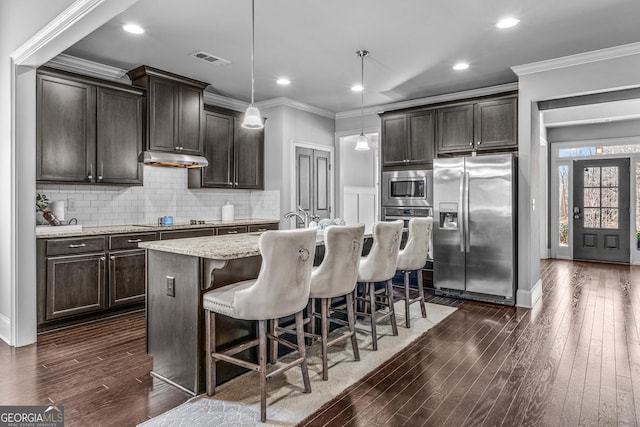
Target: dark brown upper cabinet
x=175 y=110
x=87 y=130
x=486 y=125
x=235 y=154
x=408 y=138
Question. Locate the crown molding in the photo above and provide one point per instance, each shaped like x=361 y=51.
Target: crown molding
x=288 y=102
x=57 y=26
x=84 y=66
x=224 y=102
x=490 y=90
x=578 y=59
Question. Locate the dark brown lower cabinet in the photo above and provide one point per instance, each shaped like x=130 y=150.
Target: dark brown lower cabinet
x=75 y=285
x=126 y=277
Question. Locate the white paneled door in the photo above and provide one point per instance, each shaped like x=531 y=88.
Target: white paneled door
x=313 y=182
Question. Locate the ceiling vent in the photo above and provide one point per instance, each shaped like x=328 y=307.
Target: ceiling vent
x=207 y=57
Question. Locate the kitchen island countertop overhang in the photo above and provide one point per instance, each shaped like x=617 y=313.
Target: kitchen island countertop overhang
x=226 y=247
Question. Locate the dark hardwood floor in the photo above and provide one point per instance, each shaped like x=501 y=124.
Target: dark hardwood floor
x=572 y=360
x=98 y=372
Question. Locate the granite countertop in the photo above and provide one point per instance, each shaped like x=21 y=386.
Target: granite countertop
x=121 y=229
x=214 y=247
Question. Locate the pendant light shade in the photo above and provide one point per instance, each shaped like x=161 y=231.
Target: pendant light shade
x=252 y=117
x=361 y=143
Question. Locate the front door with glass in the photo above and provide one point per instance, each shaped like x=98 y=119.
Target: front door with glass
x=601 y=210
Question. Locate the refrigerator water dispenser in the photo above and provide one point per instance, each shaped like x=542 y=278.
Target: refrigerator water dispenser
x=449 y=216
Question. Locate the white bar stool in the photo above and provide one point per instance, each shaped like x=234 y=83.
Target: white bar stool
x=281 y=289
x=380 y=266
x=336 y=277
x=412 y=258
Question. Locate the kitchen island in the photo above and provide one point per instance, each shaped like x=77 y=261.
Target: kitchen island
x=179 y=272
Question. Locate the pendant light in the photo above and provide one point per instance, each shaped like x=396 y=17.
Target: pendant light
x=361 y=143
x=252 y=118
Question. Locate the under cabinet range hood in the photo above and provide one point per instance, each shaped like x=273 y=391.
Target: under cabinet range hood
x=161 y=158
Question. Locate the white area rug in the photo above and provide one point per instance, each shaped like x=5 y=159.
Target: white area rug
x=237 y=403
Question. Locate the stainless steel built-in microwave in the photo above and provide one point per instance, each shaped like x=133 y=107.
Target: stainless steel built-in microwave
x=407 y=188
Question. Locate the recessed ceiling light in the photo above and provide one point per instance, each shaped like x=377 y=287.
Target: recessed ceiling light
x=461 y=66
x=508 y=22
x=283 y=81
x=133 y=28
x=357 y=88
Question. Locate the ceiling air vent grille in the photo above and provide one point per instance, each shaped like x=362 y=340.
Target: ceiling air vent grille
x=212 y=59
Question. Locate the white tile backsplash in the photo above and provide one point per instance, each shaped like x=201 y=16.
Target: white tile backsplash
x=164 y=192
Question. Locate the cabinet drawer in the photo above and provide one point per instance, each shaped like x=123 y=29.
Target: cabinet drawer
x=183 y=234
x=230 y=230
x=79 y=245
x=129 y=241
x=263 y=227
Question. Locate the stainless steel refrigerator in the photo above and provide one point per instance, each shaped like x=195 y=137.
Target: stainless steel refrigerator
x=475 y=227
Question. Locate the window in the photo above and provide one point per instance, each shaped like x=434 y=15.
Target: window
x=563 y=213
x=601 y=197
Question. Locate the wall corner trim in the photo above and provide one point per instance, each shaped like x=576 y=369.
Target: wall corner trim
x=5 y=329
x=578 y=59
x=528 y=298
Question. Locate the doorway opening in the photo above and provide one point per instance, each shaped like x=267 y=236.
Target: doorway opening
x=359 y=181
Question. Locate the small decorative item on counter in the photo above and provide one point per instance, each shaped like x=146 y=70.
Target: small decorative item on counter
x=228 y=213
x=51 y=218
x=167 y=221
x=42 y=202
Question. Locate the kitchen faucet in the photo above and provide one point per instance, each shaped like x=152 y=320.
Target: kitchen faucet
x=305 y=216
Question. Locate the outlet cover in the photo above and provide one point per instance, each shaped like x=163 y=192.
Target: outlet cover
x=171 y=286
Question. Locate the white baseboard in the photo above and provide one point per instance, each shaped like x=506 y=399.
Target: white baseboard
x=528 y=298
x=5 y=329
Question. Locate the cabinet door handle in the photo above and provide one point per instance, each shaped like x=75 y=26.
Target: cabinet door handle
x=90 y=176
x=479 y=142
x=134 y=240
x=471 y=143
x=102 y=258
x=236 y=183
x=262 y=229
x=112 y=258
x=230 y=182
x=232 y=232
x=80 y=245
x=101 y=171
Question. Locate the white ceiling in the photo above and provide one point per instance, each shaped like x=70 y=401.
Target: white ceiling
x=413 y=43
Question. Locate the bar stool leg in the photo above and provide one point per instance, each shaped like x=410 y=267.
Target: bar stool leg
x=312 y=317
x=302 y=350
x=325 y=337
x=392 y=310
x=352 y=325
x=407 y=300
x=210 y=331
x=372 y=299
x=421 y=294
x=262 y=336
x=274 y=343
